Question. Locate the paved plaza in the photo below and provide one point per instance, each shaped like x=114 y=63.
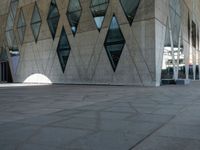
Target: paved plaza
x=81 y=117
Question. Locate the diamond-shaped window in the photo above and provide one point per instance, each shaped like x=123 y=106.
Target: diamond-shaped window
x=36 y=22
x=130 y=8
x=53 y=18
x=74 y=14
x=10 y=35
x=21 y=26
x=63 y=49
x=114 y=42
x=98 y=9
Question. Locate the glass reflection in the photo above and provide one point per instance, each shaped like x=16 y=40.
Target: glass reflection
x=74 y=14
x=194 y=34
x=63 y=49
x=114 y=43
x=21 y=26
x=191 y=73
x=10 y=36
x=98 y=8
x=130 y=8
x=53 y=18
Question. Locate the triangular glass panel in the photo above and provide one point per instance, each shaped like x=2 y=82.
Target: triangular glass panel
x=63 y=49
x=130 y=8
x=53 y=18
x=167 y=62
x=114 y=42
x=98 y=9
x=74 y=14
x=36 y=22
x=21 y=26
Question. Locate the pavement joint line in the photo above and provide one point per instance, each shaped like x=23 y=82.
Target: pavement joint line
x=151 y=133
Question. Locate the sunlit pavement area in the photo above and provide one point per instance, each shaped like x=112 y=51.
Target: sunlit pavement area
x=80 y=117
x=5 y=85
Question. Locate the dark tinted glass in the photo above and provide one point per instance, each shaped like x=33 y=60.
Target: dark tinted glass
x=74 y=14
x=53 y=18
x=63 y=49
x=194 y=34
x=130 y=8
x=114 y=43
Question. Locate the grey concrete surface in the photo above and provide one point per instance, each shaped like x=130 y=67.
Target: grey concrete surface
x=80 y=117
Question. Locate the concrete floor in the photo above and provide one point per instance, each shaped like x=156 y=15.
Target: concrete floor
x=73 y=117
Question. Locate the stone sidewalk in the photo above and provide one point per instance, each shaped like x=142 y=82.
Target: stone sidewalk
x=80 y=117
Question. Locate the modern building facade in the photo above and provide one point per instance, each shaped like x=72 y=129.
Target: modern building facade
x=116 y=42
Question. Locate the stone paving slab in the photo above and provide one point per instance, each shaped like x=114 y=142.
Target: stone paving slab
x=82 y=117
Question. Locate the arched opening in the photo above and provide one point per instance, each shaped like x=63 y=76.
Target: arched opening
x=38 y=78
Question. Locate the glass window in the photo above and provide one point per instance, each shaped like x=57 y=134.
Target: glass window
x=98 y=8
x=63 y=49
x=114 y=43
x=194 y=34
x=130 y=8
x=36 y=22
x=10 y=37
x=191 y=72
x=198 y=38
x=74 y=14
x=53 y=18
x=21 y=26
x=197 y=72
x=189 y=28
